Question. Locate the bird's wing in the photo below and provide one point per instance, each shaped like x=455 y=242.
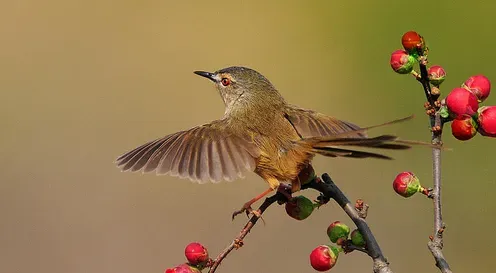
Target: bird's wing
x=309 y=124
x=209 y=152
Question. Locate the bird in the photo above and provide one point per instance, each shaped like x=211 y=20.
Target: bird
x=259 y=132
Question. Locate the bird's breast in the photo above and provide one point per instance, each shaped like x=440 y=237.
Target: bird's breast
x=281 y=158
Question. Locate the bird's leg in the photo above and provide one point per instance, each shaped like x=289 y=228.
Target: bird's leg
x=247 y=206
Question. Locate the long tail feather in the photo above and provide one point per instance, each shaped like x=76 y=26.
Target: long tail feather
x=337 y=152
x=327 y=145
x=356 y=141
x=353 y=133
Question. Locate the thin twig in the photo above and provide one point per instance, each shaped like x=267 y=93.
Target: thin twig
x=435 y=245
x=424 y=78
x=238 y=241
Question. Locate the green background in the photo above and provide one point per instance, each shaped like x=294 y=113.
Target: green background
x=83 y=81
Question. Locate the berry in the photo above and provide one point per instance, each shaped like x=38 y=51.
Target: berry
x=461 y=102
x=324 y=257
x=338 y=230
x=411 y=40
x=487 y=121
x=436 y=74
x=196 y=253
x=406 y=184
x=183 y=268
x=401 y=62
x=479 y=85
x=299 y=207
x=357 y=238
x=464 y=127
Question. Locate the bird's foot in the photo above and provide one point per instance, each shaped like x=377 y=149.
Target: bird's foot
x=248 y=210
x=256 y=213
x=238 y=212
x=247 y=206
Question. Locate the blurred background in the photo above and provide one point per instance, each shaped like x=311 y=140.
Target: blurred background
x=82 y=82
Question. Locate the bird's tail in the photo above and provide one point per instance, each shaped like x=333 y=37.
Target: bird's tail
x=328 y=145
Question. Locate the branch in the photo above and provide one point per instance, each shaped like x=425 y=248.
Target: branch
x=329 y=190
x=435 y=245
x=238 y=241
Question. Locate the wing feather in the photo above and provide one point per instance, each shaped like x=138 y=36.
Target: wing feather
x=194 y=159
x=165 y=163
x=124 y=159
x=309 y=123
x=146 y=156
x=202 y=171
x=215 y=164
x=156 y=157
x=211 y=152
x=132 y=159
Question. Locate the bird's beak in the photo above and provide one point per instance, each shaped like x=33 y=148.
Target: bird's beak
x=208 y=75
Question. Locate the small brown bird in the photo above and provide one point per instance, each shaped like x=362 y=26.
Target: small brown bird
x=259 y=132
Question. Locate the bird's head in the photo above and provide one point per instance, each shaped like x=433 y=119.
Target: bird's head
x=240 y=84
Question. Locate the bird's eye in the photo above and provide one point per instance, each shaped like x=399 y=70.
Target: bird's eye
x=225 y=81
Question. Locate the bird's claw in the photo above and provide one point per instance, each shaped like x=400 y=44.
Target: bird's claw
x=256 y=213
x=249 y=211
x=246 y=209
x=236 y=213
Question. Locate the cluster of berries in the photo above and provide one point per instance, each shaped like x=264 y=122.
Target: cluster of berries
x=324 y=257
x=461 y=106
x=403 y=60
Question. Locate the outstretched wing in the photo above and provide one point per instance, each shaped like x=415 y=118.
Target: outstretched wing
x=309 y=123
x=209 y=152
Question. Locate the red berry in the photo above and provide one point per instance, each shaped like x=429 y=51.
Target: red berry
x=479 y=85
x=436 y=74
x=401 y=62
x=464 y=127
x=324 y=257
x=411 y=40
x=196 y=253
x=406 y=184
x=337 y=230
x=299 y=207
x=487 y=121
x=183 y=268
x=461 y=102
